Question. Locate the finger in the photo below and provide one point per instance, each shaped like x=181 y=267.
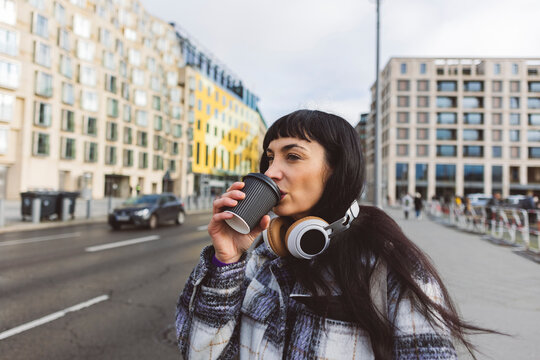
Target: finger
x=263 y=225
x=222 y=216
x=224 y=202
x=234 y=194
x=236 y=186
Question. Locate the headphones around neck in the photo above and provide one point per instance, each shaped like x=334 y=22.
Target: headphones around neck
x=307 y=237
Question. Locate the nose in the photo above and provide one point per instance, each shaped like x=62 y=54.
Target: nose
x=274 y=171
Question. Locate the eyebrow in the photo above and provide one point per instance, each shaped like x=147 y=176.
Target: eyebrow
x=288 y=147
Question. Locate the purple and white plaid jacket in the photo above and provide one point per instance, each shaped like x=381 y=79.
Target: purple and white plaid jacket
x=245 y=310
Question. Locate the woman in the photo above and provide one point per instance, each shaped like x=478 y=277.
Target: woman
x=254 y=304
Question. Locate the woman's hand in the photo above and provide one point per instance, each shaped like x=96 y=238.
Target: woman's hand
x=229 y=245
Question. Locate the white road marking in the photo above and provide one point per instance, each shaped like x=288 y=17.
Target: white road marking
x=51 y=317
x=202 y=228
x=40 y=238
x=121 y=243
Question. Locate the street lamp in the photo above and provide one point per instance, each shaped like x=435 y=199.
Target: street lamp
x=377 y=158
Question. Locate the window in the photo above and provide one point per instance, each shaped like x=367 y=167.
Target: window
x=42 y=114
x=8 y=12
x=208 y=109
x=403 y=68
x=496 y=174
x=422 y=150
x=470 y=102
x=473 y=135
x=42 y=54
x=141 y=118
x=9 y=74
x=67 y=148
x=43 y=84
x=445 y=172
x=176 y=112
x=9 y=42
x=402 y=150
x=533 y=135
x=87 y=75
x=137 y=77
x=68 y=94
x=496 y=69
x=142 y=138
x=422 y=85
x=7 y=104
x=446 y=101
x=473 y=86
x=68 y=120
x=423 y=68
x=534 y=152
x=533 y=103
x=154 y=84
x=496 y=151
x=105 y=38
x=422 y=117
x=534 y=86
x=81 y=26
x=514 y=119
x=86 y=50
x=172 y=78
x=403 y=101
x=125 y=90
x=156 y=103
x=112 y=107
x=66 y=67
x=128 y=136
x=473 y=118
x=402 y=117
x=40 y=26
x=402 y=171
x=158 y=122
x=496 y=119
x=534 y=119
x=134 y=57
x=514 y=135
x=108 y=60
x=402 y=133
x=127 y=113
x=174 y=149
x=514 y=103
x=423 y=101
x=41 y=144
x=127 y=158
x=497 y=86
x=473 y=151
x=514 y=86
x=112 y=131
x=403 y=85
x=514 y=152
x=473 y=173
x=157 y=162
x=143 y=160
x=496 y=135
x=90 y=151
x=514 y=174
x=177 y=132
x=89 y=100
x=496 y=102
x=446 y=150
x=140 y=98
x=446 y=134
x=422 y=134
x=110 y=155
x=90 y=125
x=515 y=69
x=446 y=85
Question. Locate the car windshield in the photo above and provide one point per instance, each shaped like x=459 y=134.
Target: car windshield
x=144 y=199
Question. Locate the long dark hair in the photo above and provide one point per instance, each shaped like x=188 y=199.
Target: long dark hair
x=373 y=236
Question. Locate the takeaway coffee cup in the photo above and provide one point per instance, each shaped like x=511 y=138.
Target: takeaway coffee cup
x=262 y=194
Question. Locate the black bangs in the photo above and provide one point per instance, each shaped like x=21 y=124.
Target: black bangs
x=296 y=124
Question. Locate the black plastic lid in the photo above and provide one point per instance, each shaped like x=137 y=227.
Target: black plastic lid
x=267 y=180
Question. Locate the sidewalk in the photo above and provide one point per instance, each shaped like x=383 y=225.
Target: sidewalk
x=98 y=214
x=491 y=285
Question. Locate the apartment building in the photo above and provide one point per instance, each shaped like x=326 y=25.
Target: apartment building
x=454 y=126
x=93 y=99
x=226 y=127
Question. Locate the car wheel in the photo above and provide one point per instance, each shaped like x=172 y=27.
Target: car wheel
x=116 y=226
x=153 y=222
x=180 y=218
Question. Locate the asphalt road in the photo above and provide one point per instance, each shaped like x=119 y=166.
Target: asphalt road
x=78 y=301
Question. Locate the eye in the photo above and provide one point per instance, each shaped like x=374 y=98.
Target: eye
x=293 y=157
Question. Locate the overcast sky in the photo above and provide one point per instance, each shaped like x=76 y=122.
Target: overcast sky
x=321 y=54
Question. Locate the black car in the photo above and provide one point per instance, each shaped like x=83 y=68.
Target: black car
x=148 y=210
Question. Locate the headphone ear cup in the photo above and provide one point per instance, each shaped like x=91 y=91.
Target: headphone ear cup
x=293 y=240
x=275 y=234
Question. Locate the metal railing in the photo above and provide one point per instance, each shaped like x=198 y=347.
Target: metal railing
x=513 y=226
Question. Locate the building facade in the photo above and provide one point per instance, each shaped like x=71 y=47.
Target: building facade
x=93 y=98
x=455 y=126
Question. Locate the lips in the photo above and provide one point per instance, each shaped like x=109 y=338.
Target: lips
x=283 y=193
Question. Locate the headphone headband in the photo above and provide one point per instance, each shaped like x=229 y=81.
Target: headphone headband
x=344 y=223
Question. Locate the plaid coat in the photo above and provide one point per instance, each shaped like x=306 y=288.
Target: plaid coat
x=245 y=310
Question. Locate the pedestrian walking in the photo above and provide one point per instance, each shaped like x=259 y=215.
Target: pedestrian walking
x=372 y=294
x=407 y=205
x=418 y=205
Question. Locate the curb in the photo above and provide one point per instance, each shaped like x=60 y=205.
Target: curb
x=28 y=226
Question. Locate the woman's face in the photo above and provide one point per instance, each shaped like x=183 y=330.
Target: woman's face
x=300 y=170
